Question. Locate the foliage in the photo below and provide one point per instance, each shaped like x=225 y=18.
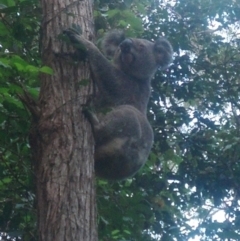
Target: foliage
x=192 y=172
x=19 y=68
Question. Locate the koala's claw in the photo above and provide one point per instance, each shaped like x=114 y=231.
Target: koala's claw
x=75 y=38
x=70 y=31
x=75 y=29
x=72 y=34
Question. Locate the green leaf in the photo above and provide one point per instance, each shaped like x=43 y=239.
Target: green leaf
x=46 y=70
x=135 y=22
x=113 y=13
x=4 y=65
x=19 y=66
x=10 y=3
x=126 y=231
x=114 y=232
x=31 y=68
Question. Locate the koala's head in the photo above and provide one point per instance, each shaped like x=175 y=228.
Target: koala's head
x=139 y=58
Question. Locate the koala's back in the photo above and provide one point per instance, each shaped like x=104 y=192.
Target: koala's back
x=124 y=139
x=124 y=90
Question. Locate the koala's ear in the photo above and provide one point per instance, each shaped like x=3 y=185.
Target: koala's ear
x=111 y=41
x=163 y=52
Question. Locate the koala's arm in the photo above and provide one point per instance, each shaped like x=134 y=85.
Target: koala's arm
x=103 y=71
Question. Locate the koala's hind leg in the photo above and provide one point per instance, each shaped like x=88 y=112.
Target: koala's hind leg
x=123 y=139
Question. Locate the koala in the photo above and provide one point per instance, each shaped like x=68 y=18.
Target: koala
x=123 y=135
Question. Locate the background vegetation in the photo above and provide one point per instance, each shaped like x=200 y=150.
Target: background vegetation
x=193 y=170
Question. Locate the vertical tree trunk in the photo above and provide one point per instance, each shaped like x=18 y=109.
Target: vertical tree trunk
x=63 y=139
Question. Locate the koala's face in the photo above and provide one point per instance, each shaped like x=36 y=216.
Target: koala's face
x=140 y=58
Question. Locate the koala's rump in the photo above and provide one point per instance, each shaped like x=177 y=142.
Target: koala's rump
x=123 y=141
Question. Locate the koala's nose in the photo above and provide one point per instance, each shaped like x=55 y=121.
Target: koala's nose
x=126 y=45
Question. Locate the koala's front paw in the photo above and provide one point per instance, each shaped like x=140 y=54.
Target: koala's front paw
x=78 y=41
x=72 y=34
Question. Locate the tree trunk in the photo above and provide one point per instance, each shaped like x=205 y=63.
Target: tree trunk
x=62 y=138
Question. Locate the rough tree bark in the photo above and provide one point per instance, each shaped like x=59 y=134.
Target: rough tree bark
x=62 y=137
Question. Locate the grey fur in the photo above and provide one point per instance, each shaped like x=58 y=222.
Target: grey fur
x=123 y=135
